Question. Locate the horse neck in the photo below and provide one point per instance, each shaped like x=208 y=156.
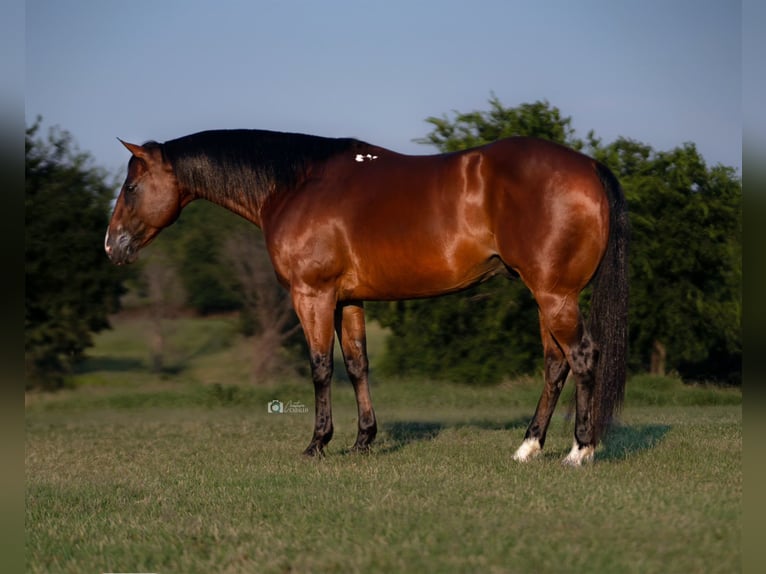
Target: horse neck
x=246 y=205
x=241 y=170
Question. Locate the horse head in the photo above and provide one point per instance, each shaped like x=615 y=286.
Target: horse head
x=149 y=200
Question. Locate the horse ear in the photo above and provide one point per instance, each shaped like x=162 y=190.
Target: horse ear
x=136 y=150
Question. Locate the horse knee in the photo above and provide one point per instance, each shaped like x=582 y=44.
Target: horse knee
x=321 y=367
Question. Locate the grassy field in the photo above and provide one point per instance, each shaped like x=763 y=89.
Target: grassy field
x=130 y=472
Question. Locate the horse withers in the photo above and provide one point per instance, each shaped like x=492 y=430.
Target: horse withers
x=345 y=222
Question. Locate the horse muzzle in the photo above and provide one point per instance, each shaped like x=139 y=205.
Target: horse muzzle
x=119 y=247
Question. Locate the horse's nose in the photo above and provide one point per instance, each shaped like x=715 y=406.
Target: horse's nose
x=107 y=247
x=118 y=247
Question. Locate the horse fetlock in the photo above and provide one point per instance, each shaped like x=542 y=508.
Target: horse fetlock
x=322 y=435
x=323 y=432
x=363 y=442
x=368 y=430
x=368 y=423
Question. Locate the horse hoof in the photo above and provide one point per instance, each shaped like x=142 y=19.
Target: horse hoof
x=361 y=448
x=528 y=450
x=314 y=451
x=579 y=455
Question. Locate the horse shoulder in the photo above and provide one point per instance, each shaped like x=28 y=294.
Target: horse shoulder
x=302 y=239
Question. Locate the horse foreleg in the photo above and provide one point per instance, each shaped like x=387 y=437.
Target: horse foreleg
x=315 y=311
x=349 y=324
x=556 y=370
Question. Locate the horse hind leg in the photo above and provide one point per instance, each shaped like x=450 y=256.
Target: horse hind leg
x=561 y=314
x=583 y=356
x=556 y=371
x=349 y=325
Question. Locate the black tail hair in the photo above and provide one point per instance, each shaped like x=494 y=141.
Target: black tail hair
x=608 y=318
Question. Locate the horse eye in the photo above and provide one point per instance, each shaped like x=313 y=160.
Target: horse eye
x=130 y=188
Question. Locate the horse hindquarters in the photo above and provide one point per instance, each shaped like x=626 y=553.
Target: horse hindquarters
x=554 y=228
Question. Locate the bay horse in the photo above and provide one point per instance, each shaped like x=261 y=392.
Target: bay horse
x=345 y=221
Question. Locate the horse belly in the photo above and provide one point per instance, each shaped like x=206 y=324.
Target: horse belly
x=405 y=269
x=419 y=234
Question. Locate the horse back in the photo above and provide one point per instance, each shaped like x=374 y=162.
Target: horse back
x=380 y=225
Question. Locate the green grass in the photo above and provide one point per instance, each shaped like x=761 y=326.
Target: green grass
x=129 y=473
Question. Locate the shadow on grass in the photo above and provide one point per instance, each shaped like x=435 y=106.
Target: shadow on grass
x=399 y=434
x=624 y=441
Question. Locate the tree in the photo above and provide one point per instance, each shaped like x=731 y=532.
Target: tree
x=466 y=130
x=165 y=297
x=267 y=311
x=686 y=260
x=196 y=241
x=71 y=287
x=490 y=331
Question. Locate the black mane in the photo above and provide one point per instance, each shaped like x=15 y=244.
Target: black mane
x=229 y=163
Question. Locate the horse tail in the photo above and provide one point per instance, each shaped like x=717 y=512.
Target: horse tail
x=608 y=318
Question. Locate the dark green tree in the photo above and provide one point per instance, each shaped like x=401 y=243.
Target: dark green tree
x=71 y=287
x=490 y=331
x=467 y=130
x=194 y=243
x=686 y=260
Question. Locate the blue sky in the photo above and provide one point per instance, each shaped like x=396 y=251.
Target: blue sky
x=659 y=71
